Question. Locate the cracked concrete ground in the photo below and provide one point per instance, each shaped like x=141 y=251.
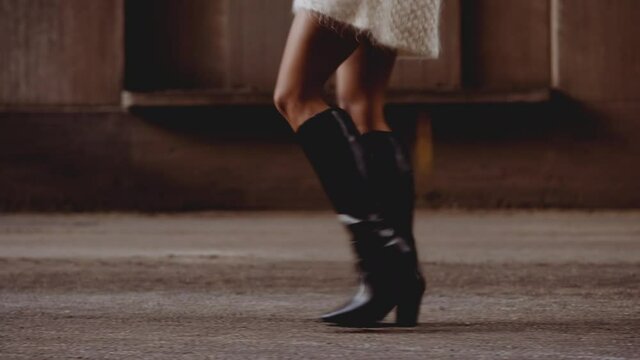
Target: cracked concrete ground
x=502 y=284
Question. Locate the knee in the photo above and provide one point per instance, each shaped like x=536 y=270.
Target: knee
x=360 y=106
x=283 y=100
x=289 y=102
x=356 y=103
x=296 y=106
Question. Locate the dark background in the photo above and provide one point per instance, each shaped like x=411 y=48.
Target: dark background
x=161 y=105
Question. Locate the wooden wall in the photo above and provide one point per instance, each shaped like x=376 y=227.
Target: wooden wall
x=200 y=44
x=66 y=143
x=205 y=44
x=506 y=43
x=598 y=56
x=598 y=66
x=173 y=44
x=61 y=52
x=257 y=32
x=231 y=44
x=582 y=147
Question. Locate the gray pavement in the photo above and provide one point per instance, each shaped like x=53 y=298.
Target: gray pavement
x=502 y=284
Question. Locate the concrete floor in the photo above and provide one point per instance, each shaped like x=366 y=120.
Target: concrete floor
x=502 y=284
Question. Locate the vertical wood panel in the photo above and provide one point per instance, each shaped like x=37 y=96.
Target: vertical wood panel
x=61 y=52
x=252 y=20
x=235 y=68
x=598 y=52
x=176 y=44
x=444 y=73
x=280 y=24
x=257 y=41
x=506 y=43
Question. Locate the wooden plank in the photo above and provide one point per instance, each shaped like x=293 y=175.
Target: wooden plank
x=67 y=52
x=235 y=50
x=423 y=156
x=61 y=109
x=554 y=18
x=252 y=27
x=276 y=38
x=251 y=97
x=176 y=44
x=257 y=41
x=444 y=73
x=506 y=43
x=598 y=52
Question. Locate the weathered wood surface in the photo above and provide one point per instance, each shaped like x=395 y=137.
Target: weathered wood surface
x=598 y=54
x=232 y=45
x=61 y=52
x=506 y=43
x=185 y=98
x=257 y=33
x=176 y=44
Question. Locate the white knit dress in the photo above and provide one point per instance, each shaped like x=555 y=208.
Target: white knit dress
x=410 y=26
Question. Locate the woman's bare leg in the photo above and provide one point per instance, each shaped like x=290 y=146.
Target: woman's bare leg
x=334 y=148
x=312 y=54
x=361 y=88
x=362 y=82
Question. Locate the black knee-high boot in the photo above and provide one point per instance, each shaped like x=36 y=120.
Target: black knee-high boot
x=331 y=142
x=392 y=180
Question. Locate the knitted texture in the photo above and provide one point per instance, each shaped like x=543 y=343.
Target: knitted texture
x=410 y=26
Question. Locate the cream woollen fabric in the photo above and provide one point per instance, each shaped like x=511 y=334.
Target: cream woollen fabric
x=411 y=26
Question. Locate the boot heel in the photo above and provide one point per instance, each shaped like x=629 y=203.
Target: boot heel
x=408 y=308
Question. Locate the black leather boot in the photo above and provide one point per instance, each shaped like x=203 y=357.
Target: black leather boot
x=392 y=180
x=331 y=142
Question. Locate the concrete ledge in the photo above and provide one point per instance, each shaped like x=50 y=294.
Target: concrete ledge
x=249 y=97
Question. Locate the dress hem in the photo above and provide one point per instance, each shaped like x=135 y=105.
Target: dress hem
x=339 y=25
